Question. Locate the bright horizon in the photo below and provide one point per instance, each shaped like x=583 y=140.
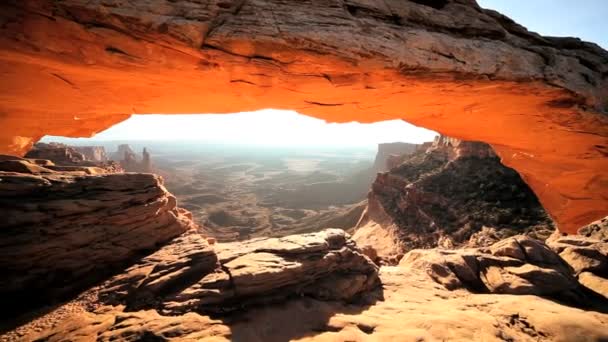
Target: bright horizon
x=267 y=127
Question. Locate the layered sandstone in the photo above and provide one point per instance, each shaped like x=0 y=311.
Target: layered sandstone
x=491 y=294
x=63 y=230
x=446 y=65
x=587 y=254
x=56 y=152
x=64 y=157
x=454 y=193
x=188 y=275
x=517 y=265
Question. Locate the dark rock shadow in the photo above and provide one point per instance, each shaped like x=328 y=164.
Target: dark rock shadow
x=295 y=318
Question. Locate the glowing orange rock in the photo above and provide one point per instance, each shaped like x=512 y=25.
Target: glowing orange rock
x=75 y=68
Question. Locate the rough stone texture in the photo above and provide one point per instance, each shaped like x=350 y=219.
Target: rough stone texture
x=445 y=196
x=446 y=65
x=64 y=156
x=408 y=307
x=61 y=231
x=387 y=152
x=587 y=254
x=518 y=265
x=187 y=274
x=94 y=153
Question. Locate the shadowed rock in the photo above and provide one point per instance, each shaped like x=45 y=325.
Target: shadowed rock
x=187 y=275
x=61 y=231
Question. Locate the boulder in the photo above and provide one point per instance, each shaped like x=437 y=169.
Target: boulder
x=518 y=265
x=187 y=275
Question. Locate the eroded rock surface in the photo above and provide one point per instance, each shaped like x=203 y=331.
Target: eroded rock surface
x=187 y=275
x=455 y=193
x=517 y=265
x=66 y=158
x=465 y=71
x=61 y=231
x=408 y=307
x=587 y=254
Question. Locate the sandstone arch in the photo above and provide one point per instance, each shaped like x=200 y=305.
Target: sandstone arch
x=75 y=67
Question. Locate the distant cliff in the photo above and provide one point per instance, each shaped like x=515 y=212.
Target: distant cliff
x=94 y=153
x=453 y=193
x=385 y=151
x=130 y=161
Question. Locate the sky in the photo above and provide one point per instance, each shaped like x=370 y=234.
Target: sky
x=586 y=19
x=266 y=127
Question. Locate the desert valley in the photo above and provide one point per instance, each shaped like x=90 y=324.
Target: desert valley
x=342 y=223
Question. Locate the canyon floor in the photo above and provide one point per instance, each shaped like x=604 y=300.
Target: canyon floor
x=238 y=192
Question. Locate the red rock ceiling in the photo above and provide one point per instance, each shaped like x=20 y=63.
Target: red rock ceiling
x=74 y=68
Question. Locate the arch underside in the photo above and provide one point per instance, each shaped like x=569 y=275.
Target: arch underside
x=74 y=68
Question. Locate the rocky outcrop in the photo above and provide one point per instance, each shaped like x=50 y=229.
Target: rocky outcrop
x=187 y=275
x=130 y=161
x=93 y=153
x=459 y=69
x=56 y=152
x=63 y=157
x=388 y=152
x=63 y=230
x=518 y=265
x=445 y=197
x=409 y=306
x=587 y=254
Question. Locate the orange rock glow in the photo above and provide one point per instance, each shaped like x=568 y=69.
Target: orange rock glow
x=74 y=69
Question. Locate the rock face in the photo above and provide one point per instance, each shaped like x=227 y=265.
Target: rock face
x=65 y=156
x=467 y=72
x=57 y=153
x=187 y=275
x=94 y=153
x=445 y=195
x=518 y=265
x=409 y=306
x=387 y=152
x=587 y=254
x=63 y=230
x=129 y=160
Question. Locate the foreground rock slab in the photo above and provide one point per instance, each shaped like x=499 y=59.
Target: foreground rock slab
x=518 y=265
x=188 y=276
x=61 y=231
x=587 y=254
x=408 y=307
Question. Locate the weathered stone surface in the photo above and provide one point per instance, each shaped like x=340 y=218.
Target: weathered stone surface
x=445 y=196
x=408 y=307
x=518 y=265
x=138 y=326
x=93 y=153
x=61 y=231
x=447 y=65
x=64 y=157
x=187 y=275
x=587 y=254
